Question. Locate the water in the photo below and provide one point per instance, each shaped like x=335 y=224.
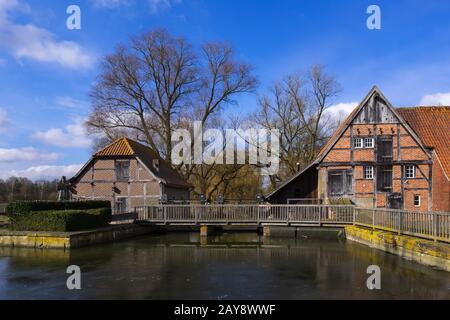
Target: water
x=228 y=266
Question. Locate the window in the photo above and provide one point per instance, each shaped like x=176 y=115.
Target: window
x=368 y=143
x=340 y=182
x=123 y=170
x=368 y=172
x=121 y=205
x=410 y=172
x=156 y=164
x=384 y=149
x=416 y=201
x=384 y=178
x=358 y=142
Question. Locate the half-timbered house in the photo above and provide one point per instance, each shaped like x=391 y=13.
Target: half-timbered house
x=129 y=175
x=381 y=157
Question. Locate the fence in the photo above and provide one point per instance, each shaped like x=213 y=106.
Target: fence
x=430 y=225
x=246 y=214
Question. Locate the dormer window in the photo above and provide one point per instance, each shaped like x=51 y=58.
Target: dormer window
x=122 y=170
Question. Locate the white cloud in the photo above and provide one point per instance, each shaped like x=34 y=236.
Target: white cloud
x=4 y=121
x=27 y=41
x=341 y=110
x=159 y=5
x=156 y=6
x=71 y=136
x=45 y=172
x=7 y=5
x=109 y=3
x=25 y=154
x=71 y=103
x=436 y=99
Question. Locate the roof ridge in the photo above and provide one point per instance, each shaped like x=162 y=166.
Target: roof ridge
x=423 y=107
x=127 y=143
x=107 y=146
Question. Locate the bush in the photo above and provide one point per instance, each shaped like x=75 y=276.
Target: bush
x=61 y=220
x=21 y=207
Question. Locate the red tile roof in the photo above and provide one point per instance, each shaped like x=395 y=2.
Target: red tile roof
x=125 y=147
x=432 y=125
x=120 y=147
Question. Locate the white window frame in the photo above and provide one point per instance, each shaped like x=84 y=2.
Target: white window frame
x=408 y=174
x=358 y=143
x=368 y=173
x=370 y=145
x=418 y=198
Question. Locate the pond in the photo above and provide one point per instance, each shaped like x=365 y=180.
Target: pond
x=226 y=266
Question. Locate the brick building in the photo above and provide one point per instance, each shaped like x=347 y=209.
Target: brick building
x=381 y=157
x=128 y=174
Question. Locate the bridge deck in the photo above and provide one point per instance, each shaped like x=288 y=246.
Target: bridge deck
x=246 y=215
x=429 y=225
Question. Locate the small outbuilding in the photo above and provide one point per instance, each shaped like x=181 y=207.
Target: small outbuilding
x=130 y=175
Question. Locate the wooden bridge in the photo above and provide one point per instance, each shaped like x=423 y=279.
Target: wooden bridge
x=257 y=215
x=430 y=225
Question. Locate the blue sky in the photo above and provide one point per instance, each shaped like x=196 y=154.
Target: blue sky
x=46 y=70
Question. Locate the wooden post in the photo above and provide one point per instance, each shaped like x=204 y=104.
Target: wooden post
x=195 y=214
x=435 y=226
x=257 y=215
x=165 y=214
x=204 y=231
x=266 y=231
x=373 y=219
x=320 y=216
x=287 y=216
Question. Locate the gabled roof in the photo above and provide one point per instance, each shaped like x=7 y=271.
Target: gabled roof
x=348 y=121
x=127 y=148
x=287 y=182
x=120 y=147
x=432 y=125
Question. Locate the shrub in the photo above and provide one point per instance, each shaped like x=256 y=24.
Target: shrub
x=20 y=207
x=61 y=220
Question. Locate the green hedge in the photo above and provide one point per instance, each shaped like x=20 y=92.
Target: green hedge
x=20 y=207
x=61 y=221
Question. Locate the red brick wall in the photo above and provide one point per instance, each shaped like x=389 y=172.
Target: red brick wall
x=98 y=181
x=441 y=188
x=411 y=151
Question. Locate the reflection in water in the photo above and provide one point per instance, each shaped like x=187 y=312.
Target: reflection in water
x=228 y=266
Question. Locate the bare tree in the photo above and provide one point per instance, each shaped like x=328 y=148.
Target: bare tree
x=144 y=87
x=158 y=83
x=296 y=106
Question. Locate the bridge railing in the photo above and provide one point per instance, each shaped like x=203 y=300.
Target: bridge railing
x=246 y=214
x=430 y=225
